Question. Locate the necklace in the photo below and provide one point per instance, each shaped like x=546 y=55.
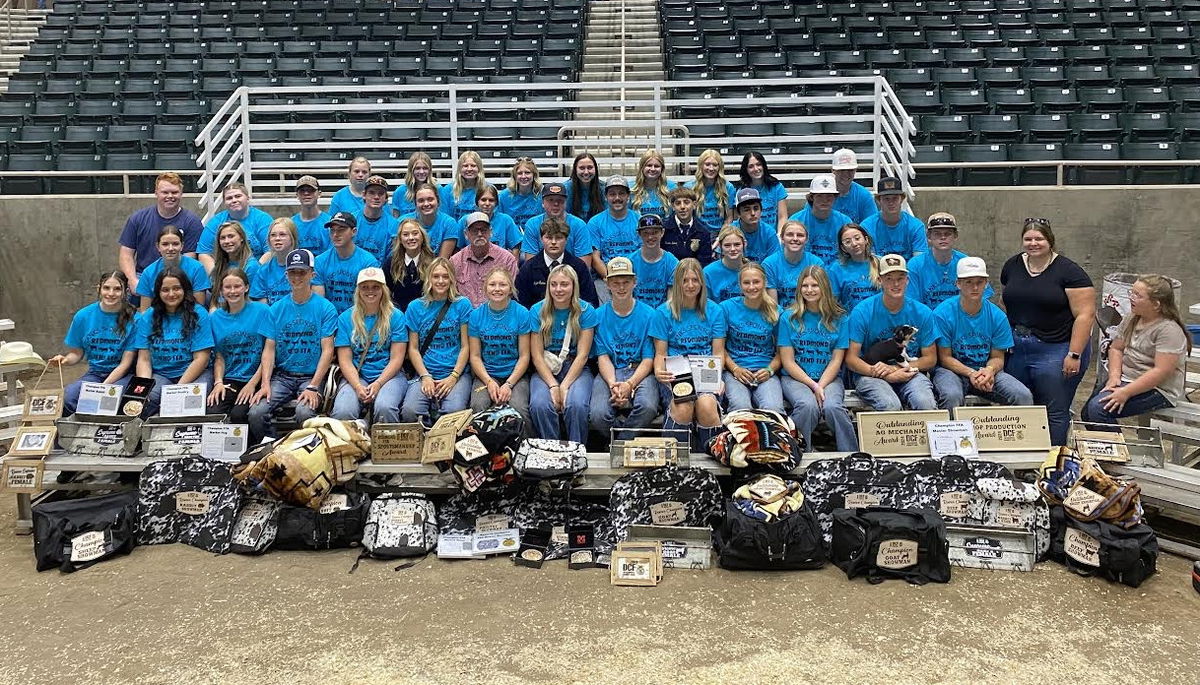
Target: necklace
x=497 y=315
x=1035 y=272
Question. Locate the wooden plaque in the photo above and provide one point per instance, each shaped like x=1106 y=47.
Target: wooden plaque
x=1101 y=445
x=42 y=407
x=397 y=442
x=1008 y=429
x=21 y=475
x=896 y=433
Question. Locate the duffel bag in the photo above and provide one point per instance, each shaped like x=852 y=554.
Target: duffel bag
x=192 y=500
x=771 y=530
x=882 y=543
x=77 y=533
x=338 y=524
x=1099 y=548
x=542 y=459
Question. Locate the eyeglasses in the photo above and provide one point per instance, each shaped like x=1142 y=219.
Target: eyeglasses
x=1037 y=220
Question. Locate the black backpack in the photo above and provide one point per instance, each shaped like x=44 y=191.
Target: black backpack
x=1122 y=555
x=790 y=543
x=883 y=543
x=77 y=533
x=338 y=524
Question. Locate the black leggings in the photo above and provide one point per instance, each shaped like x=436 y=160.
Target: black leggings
x=237 y=413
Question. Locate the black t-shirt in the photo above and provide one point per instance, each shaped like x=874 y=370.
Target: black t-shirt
x=1040 y=303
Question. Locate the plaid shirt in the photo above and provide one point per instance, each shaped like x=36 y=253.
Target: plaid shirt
x=471 y=271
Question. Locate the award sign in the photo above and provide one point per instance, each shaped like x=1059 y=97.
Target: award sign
x=1008 y=429
x=897 y=433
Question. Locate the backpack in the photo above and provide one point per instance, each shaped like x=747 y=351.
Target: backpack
x=750 y=539
x=400 y=524
x=1087 y=493
x=855 y=481
x=77 y=533
x=663 y=496
x=758 y=440
x=539 y=459
x=1099 y=548
x=256 y=526
x=485 y=449
x=193 y=500
x=338 y=524
x=303 y=466
x=1007 y=503
x=883 y=543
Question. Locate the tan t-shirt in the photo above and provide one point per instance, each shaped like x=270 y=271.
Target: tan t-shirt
x=1163 y=336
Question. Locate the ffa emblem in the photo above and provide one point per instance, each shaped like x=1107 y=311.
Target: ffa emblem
x=694 y=245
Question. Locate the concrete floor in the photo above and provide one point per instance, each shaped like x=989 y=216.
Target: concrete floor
x=174 y=614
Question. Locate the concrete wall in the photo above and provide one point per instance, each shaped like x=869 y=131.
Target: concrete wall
x=54 y=248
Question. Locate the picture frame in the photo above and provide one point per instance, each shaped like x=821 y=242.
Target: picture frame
x=42 y=407
x=633 y=568
x=21 y=475
x=33 y=441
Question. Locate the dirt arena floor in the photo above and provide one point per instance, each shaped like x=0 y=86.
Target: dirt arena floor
x=174 y=614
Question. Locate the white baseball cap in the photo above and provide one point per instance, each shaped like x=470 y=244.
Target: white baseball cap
x=845 y=159
x=892 y=262
x=971 y=267
x=823 y=184
x=371 y=274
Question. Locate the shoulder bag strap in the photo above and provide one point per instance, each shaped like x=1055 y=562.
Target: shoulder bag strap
x=433 y=331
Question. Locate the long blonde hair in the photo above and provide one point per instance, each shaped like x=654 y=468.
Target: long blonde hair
x=768 y=307
x=427 y=288
x=383 y=322
x=828 y=307
x=410 y=181
x=512 y=176
x=424 y=252
x=675 y=294
x=458 y=188
x=872 y=259
x=720 y=191
x=639 y=182
x=221 y=261
x=1163 y=293
x=574 y=310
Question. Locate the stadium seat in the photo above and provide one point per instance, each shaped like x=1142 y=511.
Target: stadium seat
x=934 y=177
x=1101 y=175
x=983 y=176
x=1153 y=174
x=1036 y=152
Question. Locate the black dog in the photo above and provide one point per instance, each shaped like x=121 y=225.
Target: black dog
x=893 y=350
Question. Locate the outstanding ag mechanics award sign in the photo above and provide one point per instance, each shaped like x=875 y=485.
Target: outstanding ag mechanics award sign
x=897 y=433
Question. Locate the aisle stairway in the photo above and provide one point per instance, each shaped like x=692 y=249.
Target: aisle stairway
x=15 y=41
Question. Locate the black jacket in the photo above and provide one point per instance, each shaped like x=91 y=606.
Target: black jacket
x=531 y=279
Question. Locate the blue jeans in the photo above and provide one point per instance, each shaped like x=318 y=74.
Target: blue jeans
x=1141 y=403
x=346 y=406
x=418 y=407
x=915 y=393
x=952 y=389
x=154 y=400
x=71 y=392
x=575 y=413
x=806 y=413
x=766 y=395
x=285 y=387
x=1038 y=365
x=643 y=407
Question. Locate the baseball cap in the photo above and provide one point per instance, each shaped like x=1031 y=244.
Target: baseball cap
x=845 y=159
x=310 y=181
x=300 y=259
x=371 y=274
x=970 y=267
x=823 y=184
x=747 y=195
x=650 y=221
x=342 y=218
x=889 y=185
x=377 y=180
x=941 y=220
x=476 y=217
x=892 y=262
x=616 y=181
x=554 y=190
x=620 y=266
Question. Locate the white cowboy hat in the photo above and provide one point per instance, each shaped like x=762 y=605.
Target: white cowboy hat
x=19 y=352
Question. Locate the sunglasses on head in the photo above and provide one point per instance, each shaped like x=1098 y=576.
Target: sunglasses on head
x=942 y=221
x=1037 y=220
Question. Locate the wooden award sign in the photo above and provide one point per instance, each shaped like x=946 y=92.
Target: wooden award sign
x=897 y=433
x=21 y=475
x=1008 y=429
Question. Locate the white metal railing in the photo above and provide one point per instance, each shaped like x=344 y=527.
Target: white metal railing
x=446 y=120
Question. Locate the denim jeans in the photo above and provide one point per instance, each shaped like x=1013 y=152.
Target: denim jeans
x=643 y=407
x=386 y=407
x=952 y=389
x=1038 y=365
x=915 y=393
x=806 y=413
x=480 y=400
x=71 y=392
x=575 y=414
x=418 y=406
x=285 y=387
x=765 y=395
x=1094 y=411
x=154 y=400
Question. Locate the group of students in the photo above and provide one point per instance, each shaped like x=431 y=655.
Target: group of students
x=464 y=296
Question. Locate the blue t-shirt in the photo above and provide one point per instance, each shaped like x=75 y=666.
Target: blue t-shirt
x=443 y=350
x=784 y=276
x=812 y=347
x=614 y=238
x=851 y=282
x=444 y=228
x=504 y=231
x=376 y=236
x=345 y=201
x=689 y=334
x=858 y=204
x=313 y=235
x=171 y=354
x=192 y=268
x=238 y=338
x=298 y=330
x=256 y=224
x=653 y=278
x=400 y=201
x=270 y=282
x=906 y=238
x=932 y=283
x=380 y=353
x=653 y=204
x=585 y=201
x=971 y=339
x=822 y=234
x=871 y=322
x=457 y=209
x=499 y=335
x=520 y=206
x=721 y=281
x=94 y=331
x=771 y=197
x=340 y=276
x=558 y=330
x=625 y=339
x=761 y=243
x=579 y=240
x=141 y=230
x=749 y=337
x=708 y=211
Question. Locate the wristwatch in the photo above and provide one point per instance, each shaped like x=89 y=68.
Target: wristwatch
x=1074 y=355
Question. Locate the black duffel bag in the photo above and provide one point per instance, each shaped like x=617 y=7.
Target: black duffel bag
x=1098 y=548
x=77 y=533
x=338 y=524
x=883 y=543
x=787 y=544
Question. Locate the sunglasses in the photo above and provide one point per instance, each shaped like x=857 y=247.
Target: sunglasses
x=942 y=222
x=1037 y=220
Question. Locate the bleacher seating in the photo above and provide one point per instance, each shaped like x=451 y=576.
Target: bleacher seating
x=989 y=80
x=120 y=85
